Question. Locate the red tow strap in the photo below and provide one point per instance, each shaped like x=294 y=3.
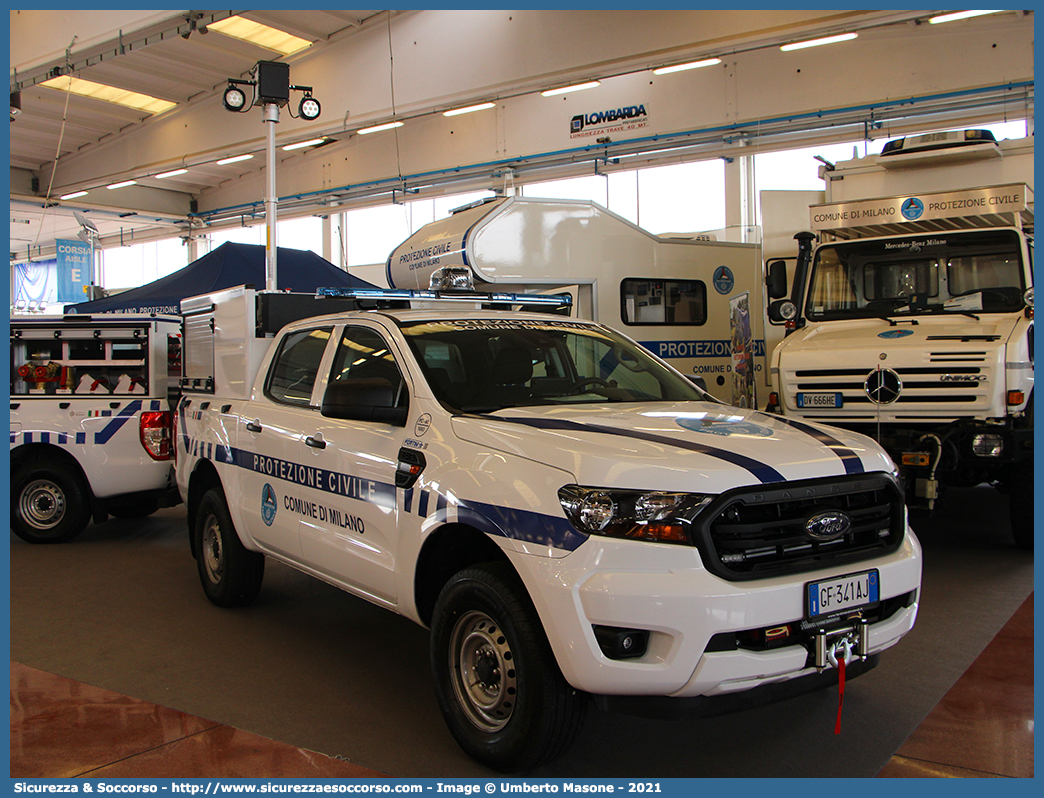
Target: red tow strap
x=840 y=692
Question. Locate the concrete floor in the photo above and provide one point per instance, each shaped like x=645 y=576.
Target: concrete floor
x=331 y=680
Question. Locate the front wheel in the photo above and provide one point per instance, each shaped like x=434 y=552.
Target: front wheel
x=231 y=575
x=50 y=502
x=499 y=688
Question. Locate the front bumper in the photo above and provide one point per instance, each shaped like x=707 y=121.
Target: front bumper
x=687 y=610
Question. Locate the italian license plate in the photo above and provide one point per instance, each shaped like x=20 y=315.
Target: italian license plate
x=820 y=400
x=842 y=593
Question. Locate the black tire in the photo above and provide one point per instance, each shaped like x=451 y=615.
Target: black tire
x=50 y=502
x=230 y=574
x=1020 y=507
x=499 y=688
x=142 y=508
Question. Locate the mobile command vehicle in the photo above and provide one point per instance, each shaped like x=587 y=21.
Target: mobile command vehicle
x=673 y=294
x=913 y=317
x=91 y=421
x=569 y=515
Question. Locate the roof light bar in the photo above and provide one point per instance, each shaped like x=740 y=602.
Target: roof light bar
x=841 y=37
x=706 y=62
x=956 y=15
x=575 y=87
x=556 y=300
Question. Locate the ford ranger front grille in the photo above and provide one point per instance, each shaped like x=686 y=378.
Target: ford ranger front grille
x=751 y=534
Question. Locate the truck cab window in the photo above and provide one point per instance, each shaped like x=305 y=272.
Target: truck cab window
x=364 y=355
x=676 y=302
x=294 y=369
x=900 y=279
x=970 y=273
x=940 y=273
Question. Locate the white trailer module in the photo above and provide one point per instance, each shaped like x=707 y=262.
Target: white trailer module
x=670 y=294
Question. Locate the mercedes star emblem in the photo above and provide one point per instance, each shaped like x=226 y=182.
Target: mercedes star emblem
x=883 y=386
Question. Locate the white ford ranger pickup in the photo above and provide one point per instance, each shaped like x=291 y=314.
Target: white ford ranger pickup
x=570 y=516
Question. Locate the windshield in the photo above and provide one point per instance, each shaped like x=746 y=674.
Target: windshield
x=485 y=365
x=946 y=272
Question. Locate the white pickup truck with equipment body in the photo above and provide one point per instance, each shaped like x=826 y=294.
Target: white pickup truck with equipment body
x=570 y=516
x=91 y=431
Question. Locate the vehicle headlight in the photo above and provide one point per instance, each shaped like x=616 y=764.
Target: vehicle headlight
x=641 y=515
x=988 y=445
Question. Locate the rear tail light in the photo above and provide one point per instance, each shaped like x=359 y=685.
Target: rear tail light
x=157 y=434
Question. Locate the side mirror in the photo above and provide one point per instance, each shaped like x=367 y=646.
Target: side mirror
x=776 y=279
x=371 y=399
x=698 y=381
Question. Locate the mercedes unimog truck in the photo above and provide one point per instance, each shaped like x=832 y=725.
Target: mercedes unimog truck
x=911 y=319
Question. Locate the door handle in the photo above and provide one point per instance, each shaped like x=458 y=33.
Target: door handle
x=254 y=426
x=315 y=442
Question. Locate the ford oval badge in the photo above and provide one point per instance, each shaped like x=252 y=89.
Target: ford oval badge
x=827 y=526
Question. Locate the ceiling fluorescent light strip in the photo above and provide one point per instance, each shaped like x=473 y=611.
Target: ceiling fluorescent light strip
x=379 y=128
x=841 y=37
x=302 y=144
x=261 y=35
x=706 y=62
x=171 y=173
x=959 y=15
x=234 y=159
x=124 y=184
x=575 y=87
x=111 y=94
x=74 y=195
x=469 y=109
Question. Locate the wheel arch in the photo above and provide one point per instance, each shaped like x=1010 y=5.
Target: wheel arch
x=204 y=477
x=41 y=452
x=448 y=550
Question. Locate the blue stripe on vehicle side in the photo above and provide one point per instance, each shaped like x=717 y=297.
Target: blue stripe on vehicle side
x=407 y=500
x=57 y=438
x=184 y=436
x=422 y=505
x=339 y=483
x=523 y=525
x=853 y=464
x=117 y=422
x=764 y=472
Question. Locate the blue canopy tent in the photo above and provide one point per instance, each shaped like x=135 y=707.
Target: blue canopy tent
x=227 y=266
